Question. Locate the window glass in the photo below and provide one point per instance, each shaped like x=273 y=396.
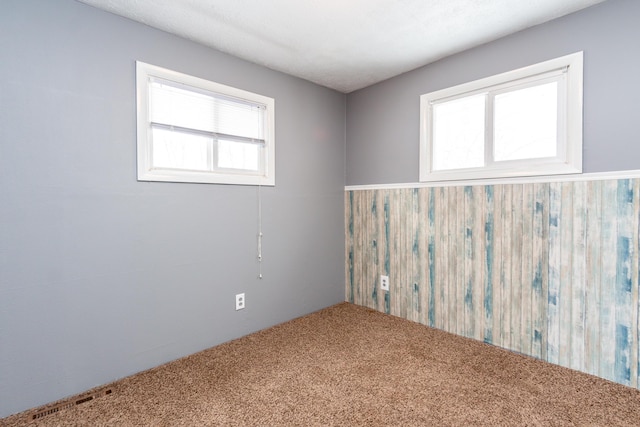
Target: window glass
x=520 y=123
x=526 y=123
x=194 y=130
x=238 y=155
x=458 y=133
x=177 y=150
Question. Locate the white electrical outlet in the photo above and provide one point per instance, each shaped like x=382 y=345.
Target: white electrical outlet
x=240 y=301
x=384 y=283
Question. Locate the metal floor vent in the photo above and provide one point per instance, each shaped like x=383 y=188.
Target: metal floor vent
x=69 y=403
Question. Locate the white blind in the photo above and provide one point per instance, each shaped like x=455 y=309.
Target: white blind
x=175 y=104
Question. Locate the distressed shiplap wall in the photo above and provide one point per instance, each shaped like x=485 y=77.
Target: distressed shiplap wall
x=546 y=269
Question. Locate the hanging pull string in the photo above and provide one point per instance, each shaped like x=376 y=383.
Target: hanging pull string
x=259 y=232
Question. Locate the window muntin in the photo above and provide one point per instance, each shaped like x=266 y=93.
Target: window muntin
x=521 y=123
x=194 y=130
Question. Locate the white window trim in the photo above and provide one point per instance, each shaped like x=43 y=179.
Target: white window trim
x=145 y=170
x=568 y=162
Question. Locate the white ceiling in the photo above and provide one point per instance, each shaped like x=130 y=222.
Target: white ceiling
x=342 y=44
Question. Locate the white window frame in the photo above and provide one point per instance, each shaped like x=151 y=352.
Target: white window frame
x=146 y=171
x=569 y=143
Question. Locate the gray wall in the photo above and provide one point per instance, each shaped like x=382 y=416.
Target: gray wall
x=102 y=276
x=383 y=120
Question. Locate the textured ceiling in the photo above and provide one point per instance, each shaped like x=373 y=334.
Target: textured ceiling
x=342 y=44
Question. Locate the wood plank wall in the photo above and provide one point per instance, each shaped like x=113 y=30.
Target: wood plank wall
x=546 y=269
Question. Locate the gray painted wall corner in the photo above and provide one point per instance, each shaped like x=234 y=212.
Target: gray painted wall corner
x=102 y=276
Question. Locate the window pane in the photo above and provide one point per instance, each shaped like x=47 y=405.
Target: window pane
x=458 y=133
x=238 y=155
x=177 y=150
x=525 y=125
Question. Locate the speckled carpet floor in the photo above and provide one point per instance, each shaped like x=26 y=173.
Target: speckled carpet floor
x=351 y=366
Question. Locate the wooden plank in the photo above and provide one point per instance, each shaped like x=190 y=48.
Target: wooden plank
x=479 y=255
x=607 y=316
x=399 y=297
x=447 y=261
x=363 y=222
x=566 y=269
x=593 y=277
x=421 y=268
x=431 y=242
x=442 y=244
x=380 y=245
x=516 y=269
x=361 y=226
x=396 y=252
x=348 y=247
x=553 y=305
x=374 y=241
x=435 y=260
x=363 y=282
x=578 y=267
x=458 y=253
x=488 y=278
x=451 y=273
x=469 y=271
x=415 y=275
x=446 y=285
x=395 y=237
x=623 y=288
x=357 y=248
x=373 y=274
x=635 y=347
x=402 y=260
x=527 y=278
x=407 y=252
x=540 y=262
x=498 y=254
x=505 y=279
x=386 y=241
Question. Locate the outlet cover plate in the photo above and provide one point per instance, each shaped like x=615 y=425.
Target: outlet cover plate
x=240 y=301
x=384 y=283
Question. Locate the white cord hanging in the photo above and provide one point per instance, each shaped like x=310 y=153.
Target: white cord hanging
x=259 y=232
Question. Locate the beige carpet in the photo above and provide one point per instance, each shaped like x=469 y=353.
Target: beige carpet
x=351 y=366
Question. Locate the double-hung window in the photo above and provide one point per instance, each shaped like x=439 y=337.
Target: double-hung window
x=195 y=130
x=520 y=123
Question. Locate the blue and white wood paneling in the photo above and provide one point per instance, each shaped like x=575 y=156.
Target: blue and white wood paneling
x=546 y=269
